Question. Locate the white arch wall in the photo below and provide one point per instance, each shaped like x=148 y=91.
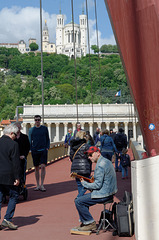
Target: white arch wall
x=58 y=118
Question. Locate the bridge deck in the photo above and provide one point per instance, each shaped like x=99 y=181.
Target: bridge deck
x=51 y=214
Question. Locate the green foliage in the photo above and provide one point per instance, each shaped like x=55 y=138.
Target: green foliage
x=33 y=46
x=95 y=48
x=19 y=86
x=109 y=49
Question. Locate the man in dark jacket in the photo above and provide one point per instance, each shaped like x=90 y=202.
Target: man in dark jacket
x=10 y=172
x=39 y=145
x=24 y=148
x=120 y=141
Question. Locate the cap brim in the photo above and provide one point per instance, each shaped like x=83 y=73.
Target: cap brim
x=88 y=152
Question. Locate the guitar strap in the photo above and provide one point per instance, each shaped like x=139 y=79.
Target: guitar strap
x=77 y=151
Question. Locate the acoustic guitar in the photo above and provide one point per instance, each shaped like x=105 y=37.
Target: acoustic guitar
x=90 y=180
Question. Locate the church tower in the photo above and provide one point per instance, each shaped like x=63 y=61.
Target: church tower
x=83 y=30
x=46 y=45
x=45 y=33
x=60 y=33
x=45 y=37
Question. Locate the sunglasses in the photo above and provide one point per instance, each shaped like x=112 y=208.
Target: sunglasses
x=37 y=120
x=90 y=155
x=15 y=134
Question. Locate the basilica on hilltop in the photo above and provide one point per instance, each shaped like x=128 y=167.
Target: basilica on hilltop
x=64 y=37
x=65 y=41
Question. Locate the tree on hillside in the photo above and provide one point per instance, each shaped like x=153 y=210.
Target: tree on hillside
x=95 y=48
x=109 y=48
x=33 y=46
x=9 y=51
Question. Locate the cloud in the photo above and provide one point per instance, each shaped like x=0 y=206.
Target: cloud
x=18 y=23
x=23 y=23
x=93 y=36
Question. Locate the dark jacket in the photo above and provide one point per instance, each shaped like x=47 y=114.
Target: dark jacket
x=80 y=164
x=112 y=135
x=24 y=145
x=10 y=169
x=120 y=141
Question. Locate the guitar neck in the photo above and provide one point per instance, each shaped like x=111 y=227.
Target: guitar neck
x=90 y=180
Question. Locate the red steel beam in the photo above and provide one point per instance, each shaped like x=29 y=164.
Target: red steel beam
x=136 y=27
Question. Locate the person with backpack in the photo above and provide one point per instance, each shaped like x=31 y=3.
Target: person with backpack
x=107 y=146
x=120 y=141
x=125 y=163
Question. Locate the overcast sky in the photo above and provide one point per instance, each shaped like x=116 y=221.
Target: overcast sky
x=20 y=20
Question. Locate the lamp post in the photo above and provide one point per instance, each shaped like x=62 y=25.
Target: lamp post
x=42 y=80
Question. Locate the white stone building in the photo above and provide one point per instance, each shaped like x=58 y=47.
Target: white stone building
x=65 y=38
x=58 y=118
x=21 y=46
x=9 y=45
x=46 y=45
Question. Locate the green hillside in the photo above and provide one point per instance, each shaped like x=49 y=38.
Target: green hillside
x=19 y=85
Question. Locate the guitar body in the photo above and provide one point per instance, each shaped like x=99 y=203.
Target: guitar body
x=90 y=180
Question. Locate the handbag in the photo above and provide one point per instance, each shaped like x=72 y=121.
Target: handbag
x=77 y=151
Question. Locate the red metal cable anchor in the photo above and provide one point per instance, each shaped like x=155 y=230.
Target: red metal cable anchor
x=153 y=153
x=144 y=155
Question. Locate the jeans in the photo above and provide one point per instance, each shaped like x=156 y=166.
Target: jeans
x=116 y=161
x=81 y=189
x=124 y=171
x=84 y=202
x=13 y=199
x=107 y=155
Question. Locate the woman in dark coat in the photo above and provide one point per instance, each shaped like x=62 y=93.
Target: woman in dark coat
x=80 y=162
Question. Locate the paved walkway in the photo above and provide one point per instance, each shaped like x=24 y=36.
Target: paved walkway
x=51 y=214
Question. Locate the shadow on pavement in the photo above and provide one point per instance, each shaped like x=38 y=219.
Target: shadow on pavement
x=23 y=221
x=51 y=190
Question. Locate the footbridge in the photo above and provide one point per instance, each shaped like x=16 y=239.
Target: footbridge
x=51 y=214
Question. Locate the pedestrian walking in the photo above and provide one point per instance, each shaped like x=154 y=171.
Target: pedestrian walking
x=120 y=141
x=39 y=143
x=125 y=163
x=24 y=148
x=77 y=129
x=68 y=138
x=107 y=146
x=96 y=136
x=10 y=173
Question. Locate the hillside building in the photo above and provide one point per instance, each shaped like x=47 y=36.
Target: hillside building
x=46 y=45
x=21 y=45
x=65 y=38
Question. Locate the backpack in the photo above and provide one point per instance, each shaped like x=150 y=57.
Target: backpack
x=119 y=141
x=125 y=160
